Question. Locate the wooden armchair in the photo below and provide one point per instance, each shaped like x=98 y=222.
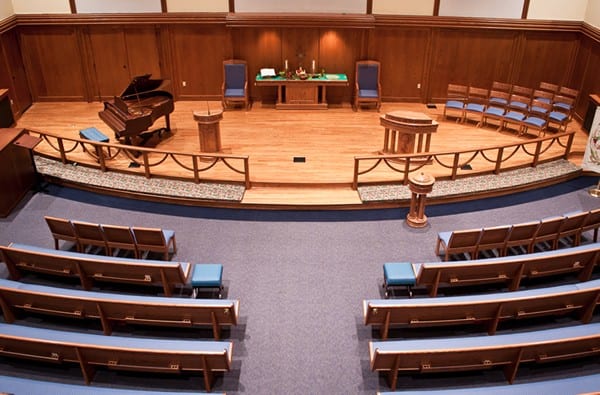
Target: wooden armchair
x=367 y=86
x=235 y=83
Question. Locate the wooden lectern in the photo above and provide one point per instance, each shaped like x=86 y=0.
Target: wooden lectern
x=407 y=132
x=209 y=132
x=420 y=185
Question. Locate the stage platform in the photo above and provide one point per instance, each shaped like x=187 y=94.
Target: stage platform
x=327 y=141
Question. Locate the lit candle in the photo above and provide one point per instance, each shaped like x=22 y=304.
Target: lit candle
x=286 y=64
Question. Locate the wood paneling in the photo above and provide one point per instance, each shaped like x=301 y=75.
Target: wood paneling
x=403 y=55
x=547 y=57
x=84 y=58
x=53 y=63
x=121 y=54
x=469 y=57
x=198 y=54
x=587 y=79
x=12 y=73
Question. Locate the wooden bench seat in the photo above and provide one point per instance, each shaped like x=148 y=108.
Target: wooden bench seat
x=483 y=352
x=509 y=270
x=16 y=297
x=93 y=268
x=28 y=386
x=116 y=353
x=548 y=231
x=583 y=384
x=111 y=238
x=489 y=309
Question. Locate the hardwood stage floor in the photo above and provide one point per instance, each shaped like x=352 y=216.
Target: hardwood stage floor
x=328 y=139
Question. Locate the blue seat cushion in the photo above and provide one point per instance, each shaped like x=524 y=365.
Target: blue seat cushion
x=539 y=110
x=518 y=104
x=562 y=105
x=514 y=115
x=455 y=104
x=558 y=116
x=207 y=275
x=498 y=111
x=369 y=93
x=498 y=100
x=475 y=107
x=168 y=234
x=535 y=121
x=93 y=134
x=231 y=92
x=399 y=273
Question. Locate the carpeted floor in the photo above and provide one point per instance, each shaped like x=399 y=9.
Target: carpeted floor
x=300 y=278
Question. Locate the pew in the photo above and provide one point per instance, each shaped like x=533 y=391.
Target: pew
x=91 y=352
x=578 y=385
x=28 y=386
x=16 y=297
x=93 y=268
x=508 y=270
x=507 y=351
x=489 y=309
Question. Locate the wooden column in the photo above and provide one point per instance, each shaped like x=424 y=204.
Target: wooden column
x=209 y=132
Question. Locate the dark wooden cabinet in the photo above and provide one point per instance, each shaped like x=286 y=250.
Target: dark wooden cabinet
x=17 y=172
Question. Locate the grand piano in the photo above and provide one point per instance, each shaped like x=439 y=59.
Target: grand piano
x=133 y=112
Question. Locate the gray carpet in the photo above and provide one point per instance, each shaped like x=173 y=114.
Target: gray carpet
x=300 y=284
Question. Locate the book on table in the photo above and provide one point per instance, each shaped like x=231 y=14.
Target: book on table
x=267 y=73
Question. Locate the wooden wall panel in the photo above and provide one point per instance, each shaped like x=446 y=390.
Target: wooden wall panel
x=469 y=57
x=13 y=76
x=198 y=54
x=547 y=56
x=403 y=55
x=587 y=71
x=121 y=54
x=339 y=50
x=53 y=63
x=259 y=47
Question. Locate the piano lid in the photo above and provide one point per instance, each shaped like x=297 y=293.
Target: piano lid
x=142 y=86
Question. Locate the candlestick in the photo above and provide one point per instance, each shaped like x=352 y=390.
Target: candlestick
x=313 y=66
x=286 y=64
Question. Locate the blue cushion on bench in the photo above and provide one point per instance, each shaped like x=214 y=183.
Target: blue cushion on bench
x=93 y=134
x=207 y=275
x=399 y=273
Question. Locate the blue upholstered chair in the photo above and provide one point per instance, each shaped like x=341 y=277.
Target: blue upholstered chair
x=477 y=99
x=456 y=97
x=537 y=118
x=235 y=83
x=504 y=88
x=496 y=107
x=367 y=84
x=516 y=112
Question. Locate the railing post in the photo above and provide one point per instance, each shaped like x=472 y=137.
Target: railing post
x=146 y=165
x=569 y=145
x=455 y=166
x=406 y=171
x=536 y=156
x=247 y=172
x=355 y=178
x=499 y=160
x=195 y=165
x=100 y=154
x=63 y=155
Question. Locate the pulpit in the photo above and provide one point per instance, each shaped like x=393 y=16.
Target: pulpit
x=407 y=132
x=420 y=185
x=209 y=132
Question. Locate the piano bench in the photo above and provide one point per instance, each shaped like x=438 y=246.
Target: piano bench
x=93 y=134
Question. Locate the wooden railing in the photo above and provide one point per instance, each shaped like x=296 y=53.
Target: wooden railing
x=139 y=160
x=447 y=164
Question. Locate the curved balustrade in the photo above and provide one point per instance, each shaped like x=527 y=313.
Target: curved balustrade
x=140 y=160
x=446 y=165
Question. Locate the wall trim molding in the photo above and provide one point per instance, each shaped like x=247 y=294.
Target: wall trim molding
x=8 y=24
